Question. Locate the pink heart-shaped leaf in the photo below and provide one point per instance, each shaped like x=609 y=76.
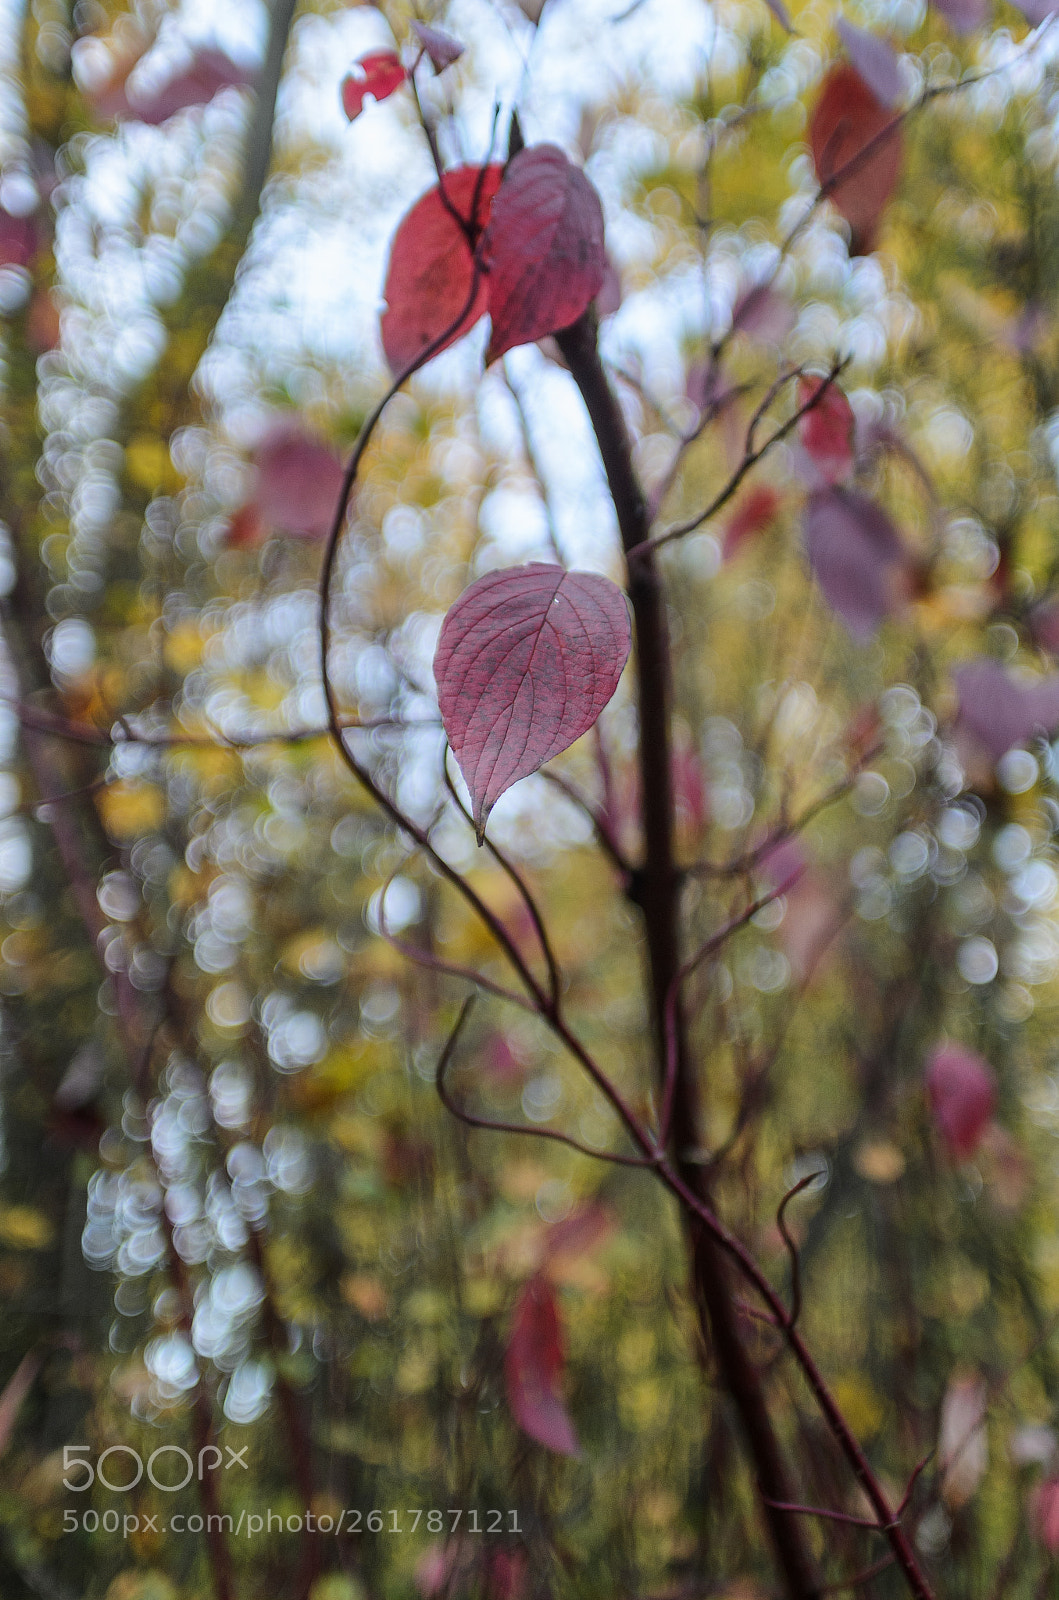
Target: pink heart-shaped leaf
x=543 y=248
x=527 y=659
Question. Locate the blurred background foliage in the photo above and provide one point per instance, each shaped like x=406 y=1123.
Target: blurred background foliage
x=231 y=1206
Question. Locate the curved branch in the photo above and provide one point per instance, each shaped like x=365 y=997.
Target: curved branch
x=472 y=1120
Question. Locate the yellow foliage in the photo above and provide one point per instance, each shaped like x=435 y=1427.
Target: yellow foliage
x=863 y=1408
x=23 y=1228
x=132 y=809
x=149 y=466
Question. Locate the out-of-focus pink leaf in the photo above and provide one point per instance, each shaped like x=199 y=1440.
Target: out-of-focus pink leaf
x=1033 y=1445
x=961 y=1089
x=208 y=72
x=874 y=59
x=849 y=119
x=377 y=74
x=963 y=1449
x=1037 y=11
x=534 y=1363
x=441 y=47
x=431 y=266
x=608 y=300
x=813 y=917
x=1044 y=625
x=963 y=15
x=1045 y=1509
x=543 y=248
x=526 y=661
x=784 y=864
x=583 y=1230
x=751 y=516
x=826 y=432
x=857 y=557
x=764 y=313
x=14 y=1393
x=689 y=784
x=298 y=482
x=508 y=1574
x=999 y=711
x=18 y=240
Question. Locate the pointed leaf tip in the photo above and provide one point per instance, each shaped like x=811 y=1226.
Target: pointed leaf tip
x=441 y=47
x=526 y=661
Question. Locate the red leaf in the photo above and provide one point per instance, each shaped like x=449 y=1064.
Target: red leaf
x=431 y=266
x=1046 y=1514
x=543 y=248
x=377 y=74
x=962 y=1093
x=874 y=60
x=856 y=555
x=298 y=482
x=245 y=528
x=849 y=117
x=441 y=47
x=208 y=72
x=826 y=432
x=533 y=1369
x=753 y=514
x=526 y=661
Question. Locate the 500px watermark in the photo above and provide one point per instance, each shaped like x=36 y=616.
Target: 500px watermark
x=251 y=1524
x=77 y=1461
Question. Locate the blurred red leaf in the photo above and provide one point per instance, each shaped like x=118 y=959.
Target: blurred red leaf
x=874 y=59
x=432 y=268
x=856 y=555
x=526 y=661
x=534 y=1363
x=1046 y=1514
x=377 y=74
x=849 y=117
x=826 y=432
x=245 y=528
x=298 y=482
x=581 y=1231
x=208 y=72
x=752 y=515
x=961 y=1089
x=543 y=248
x=441 y=47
